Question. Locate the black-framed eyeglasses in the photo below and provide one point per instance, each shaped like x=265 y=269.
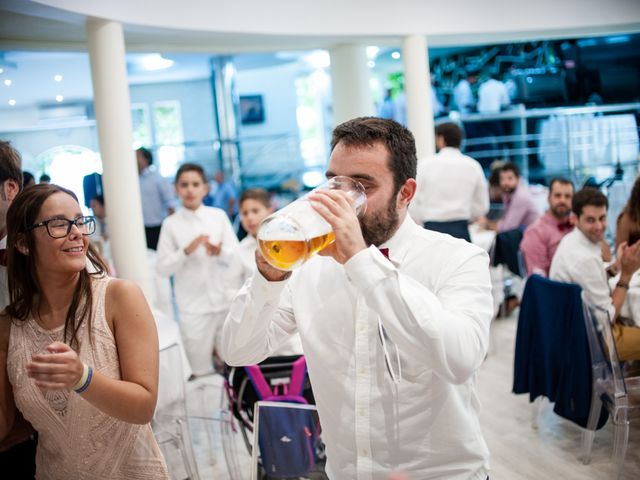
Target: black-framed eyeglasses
x=60 y=227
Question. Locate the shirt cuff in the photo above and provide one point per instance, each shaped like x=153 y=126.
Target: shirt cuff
x=262 y=290
x=368 y=267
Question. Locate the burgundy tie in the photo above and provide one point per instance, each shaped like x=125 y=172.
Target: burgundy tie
x=3 y=257
x=385 y=252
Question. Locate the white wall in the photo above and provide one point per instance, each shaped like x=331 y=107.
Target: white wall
x=277 y=148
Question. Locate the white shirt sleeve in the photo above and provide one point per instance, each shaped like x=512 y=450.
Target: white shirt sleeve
x=170 y=257
x=593 y=279
x=447 y=330
x=259 y=321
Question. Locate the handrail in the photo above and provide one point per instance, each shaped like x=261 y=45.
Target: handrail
x=521 y=112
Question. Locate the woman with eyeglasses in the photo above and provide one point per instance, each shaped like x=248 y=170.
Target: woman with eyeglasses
x=81 y=349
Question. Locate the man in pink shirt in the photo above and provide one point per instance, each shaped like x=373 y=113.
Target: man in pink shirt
x=541 y=239
x=519 y=207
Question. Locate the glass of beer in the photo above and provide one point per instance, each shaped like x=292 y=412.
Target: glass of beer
x=293 y=234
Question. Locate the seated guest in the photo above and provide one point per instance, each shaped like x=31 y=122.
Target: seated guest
x=452 y=189
x=578 y=259
x=519 y=208
x=541 y=239
x=628 y=224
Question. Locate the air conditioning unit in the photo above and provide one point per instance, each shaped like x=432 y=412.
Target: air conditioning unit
x=65 y=111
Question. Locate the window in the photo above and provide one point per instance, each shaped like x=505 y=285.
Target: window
x=169 y=137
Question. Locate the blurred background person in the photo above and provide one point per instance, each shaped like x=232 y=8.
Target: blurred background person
x=157 y=197
x=28 y=179
x=628 y=223
x=196 y=246
x=452 y=190
x=541 y=239
x=44 y=178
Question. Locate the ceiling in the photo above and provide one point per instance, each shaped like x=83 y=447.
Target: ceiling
x=42 y=41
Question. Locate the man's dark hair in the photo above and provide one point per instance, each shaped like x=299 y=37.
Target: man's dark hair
x=146 y=154
x=28 y=178
x=560 y=180
x=450 y=133
x=191 y=167
x=10 y=164
x=588 y=196
x=45 y=178
x=510 y=167
x=257 y=194
x=399 y=141
x=99 y=199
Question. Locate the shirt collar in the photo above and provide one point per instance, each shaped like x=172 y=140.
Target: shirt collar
x=198 y=212
x=560 y=225
x=584 y=240
x=398 y=244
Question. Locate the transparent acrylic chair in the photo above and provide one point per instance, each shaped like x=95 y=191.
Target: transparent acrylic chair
x=619 y=395
x=170 y=422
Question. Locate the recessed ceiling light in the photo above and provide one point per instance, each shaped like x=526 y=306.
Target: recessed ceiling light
x=57 y=78
x=395 y=55
x=59 y=98
x=8 y=82
x=371 y=63
x=155 y=61
x=1 y=70
x=12 y=102
x=372 y=51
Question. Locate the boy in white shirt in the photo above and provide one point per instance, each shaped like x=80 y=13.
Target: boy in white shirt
x=196 y=246
x=255 y=206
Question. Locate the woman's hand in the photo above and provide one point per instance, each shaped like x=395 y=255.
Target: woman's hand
x=59 y=369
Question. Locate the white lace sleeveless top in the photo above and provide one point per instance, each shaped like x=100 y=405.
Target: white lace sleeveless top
x=75 y=439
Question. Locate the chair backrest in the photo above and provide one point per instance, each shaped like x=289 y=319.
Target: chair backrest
x=552 y=351
x=604 y=357
x=505 y=250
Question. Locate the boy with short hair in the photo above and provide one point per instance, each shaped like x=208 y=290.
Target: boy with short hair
x=255 y=206
x=196 y=246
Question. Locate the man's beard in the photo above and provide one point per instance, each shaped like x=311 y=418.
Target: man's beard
x=561 y=214
x=509 y=190
x=378 y=227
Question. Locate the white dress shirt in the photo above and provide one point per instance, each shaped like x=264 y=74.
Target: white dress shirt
x=579 y=260
x=463 y=96
x=201 y=280
x=433 y=300
x=451 y=186
x=492 y=96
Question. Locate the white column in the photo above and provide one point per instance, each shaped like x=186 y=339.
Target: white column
x=120 y=173
x=350 y=83
x=417 y=85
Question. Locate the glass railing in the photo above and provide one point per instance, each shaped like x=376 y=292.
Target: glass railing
x=575 y=142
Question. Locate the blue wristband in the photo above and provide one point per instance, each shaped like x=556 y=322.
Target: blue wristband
x=86 y=383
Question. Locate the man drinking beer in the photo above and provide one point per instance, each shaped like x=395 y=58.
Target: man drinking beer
x=394 y=321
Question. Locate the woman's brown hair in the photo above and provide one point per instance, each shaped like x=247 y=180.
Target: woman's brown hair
x=24 y=288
